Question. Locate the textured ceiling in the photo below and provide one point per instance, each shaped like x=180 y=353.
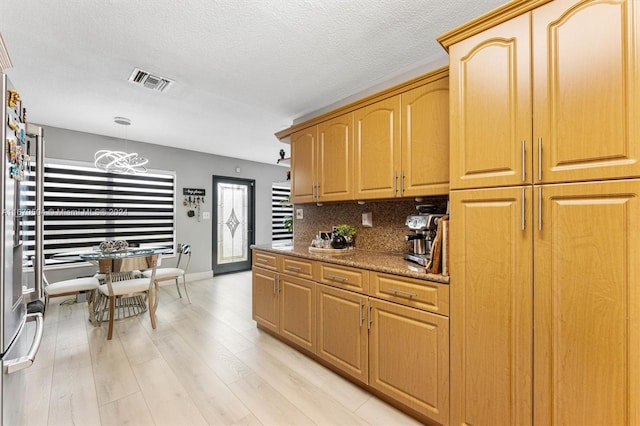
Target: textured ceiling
x=244 y=69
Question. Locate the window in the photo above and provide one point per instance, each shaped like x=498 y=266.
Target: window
x=84 y=206
x=281 y=210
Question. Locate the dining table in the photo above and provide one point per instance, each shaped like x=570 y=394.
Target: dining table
x=119 y=265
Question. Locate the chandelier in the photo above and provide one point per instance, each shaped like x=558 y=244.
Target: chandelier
x=118 y=161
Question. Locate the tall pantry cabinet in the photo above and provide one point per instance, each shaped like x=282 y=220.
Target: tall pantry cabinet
x=545 y=214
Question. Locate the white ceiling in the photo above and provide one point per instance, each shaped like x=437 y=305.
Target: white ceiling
x=244 y=69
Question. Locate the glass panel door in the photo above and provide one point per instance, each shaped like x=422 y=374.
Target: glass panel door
x=233 y=224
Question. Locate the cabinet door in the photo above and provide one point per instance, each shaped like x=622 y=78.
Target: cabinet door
x=587 y=304
x=409 y=358
x=587 y=90
x=335 y=159
x=303 y=165
x=491 y=306
x=342 y=337
x=377 y=153
x=425 y=140
x=298 y=311
x=491 y=107
x=265 y=299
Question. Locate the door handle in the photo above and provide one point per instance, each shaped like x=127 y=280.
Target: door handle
x=26 y=361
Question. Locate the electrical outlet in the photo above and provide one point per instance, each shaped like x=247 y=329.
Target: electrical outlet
x=367 y=220
x=206 y=215
x=299 y=214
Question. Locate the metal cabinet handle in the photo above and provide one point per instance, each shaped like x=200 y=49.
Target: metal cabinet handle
x=293 y=268
x=395 y=182
x=361 y=314
x=522 y=213
x=539 y=209
x=369 y=319
x=402 y=184
x=337 y=278
x=275 y=288
x=524 y=175
x=539 y=158
x=402 y=292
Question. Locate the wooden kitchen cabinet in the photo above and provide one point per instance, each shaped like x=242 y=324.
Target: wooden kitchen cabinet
x=266 y=260
x=491 y=306
x=491 y=107
x=322 y=161
x=298 y=311
x=342 y=334
x=377 y=149
x=586 y=76
x=420 y=294
x=335 y=159
x=303 y=165
x=409 y=357
x=425 y=140
x=345 y=277
x=587 y=304
x=282 y=303
x=265 y=304
x=579 y=123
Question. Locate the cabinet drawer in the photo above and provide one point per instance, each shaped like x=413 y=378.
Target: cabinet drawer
x=344 y=277
x=425 y=295
x=298 y=267
x=265 y=260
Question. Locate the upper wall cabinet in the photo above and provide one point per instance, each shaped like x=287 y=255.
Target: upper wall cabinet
x=303 y=165
x=335 y=159
x=377 y=158
x=322 y=161
x=402 y=144
x=425 y=140
x=584 y=97
x=392 y=144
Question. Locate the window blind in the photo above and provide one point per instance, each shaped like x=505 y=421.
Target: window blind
x=281 y=209
x=84 y=206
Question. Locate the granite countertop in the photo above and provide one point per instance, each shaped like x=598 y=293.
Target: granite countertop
x=391 y=263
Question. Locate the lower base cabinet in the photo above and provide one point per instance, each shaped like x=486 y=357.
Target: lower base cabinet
x=409 y=357
x=265 y=302
x=298 y=311
x=285 y=305
x=399 y=351
x=342 y=331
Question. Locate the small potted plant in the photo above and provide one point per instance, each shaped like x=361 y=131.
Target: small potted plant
x=343 y=237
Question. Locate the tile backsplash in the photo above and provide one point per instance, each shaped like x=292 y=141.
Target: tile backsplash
x=386 y=235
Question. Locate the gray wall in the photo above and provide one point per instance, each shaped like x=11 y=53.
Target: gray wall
x=193 y=170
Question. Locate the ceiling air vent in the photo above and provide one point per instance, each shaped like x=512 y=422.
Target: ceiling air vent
x=150 y=81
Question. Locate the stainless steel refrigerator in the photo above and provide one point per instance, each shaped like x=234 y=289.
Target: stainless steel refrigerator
x=22 y=155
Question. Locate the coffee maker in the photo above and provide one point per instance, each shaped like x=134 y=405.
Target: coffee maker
x=424 y=226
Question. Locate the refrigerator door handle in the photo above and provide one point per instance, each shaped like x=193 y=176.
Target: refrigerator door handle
x=17 y=364
x=38 y=264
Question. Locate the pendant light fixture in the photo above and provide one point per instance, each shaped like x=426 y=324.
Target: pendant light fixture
x=118 y=161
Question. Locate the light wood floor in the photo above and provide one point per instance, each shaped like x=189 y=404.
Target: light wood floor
x=206 y=363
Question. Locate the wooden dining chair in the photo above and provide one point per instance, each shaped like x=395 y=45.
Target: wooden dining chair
x=129 y=288
x=167 y=274
x=73 y=287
